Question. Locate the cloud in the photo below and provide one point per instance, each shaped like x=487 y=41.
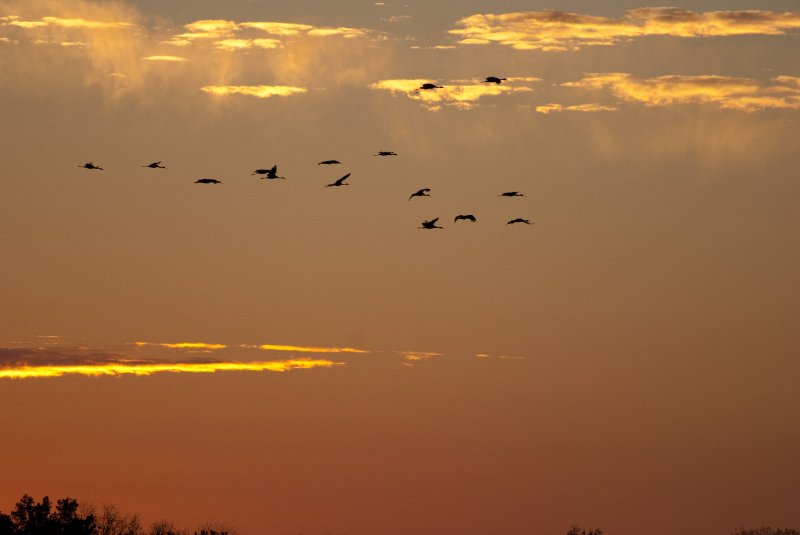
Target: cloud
x=66 y=23
x=560 y=31
x=32 y=362
x=227 y=34
x=239 y=44
x=181 y=345
x=208 y=29
x=459 y=94
x=99 y=37
x=310 y=349
x=726 y=92
x=258 y=91
x=588 y=108
x=283 y=29
x=174 y=59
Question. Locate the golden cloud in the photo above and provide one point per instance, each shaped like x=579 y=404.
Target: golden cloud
x=258 y=91
x=239 y=44
x=140 y=368
x=225 y=31
x=65 y=23
x=588 y=108
x=278 y=28
x=174 y=59
x=458 y=94
x=559 y=31
x=181 y=345
x=56 y=361
x=744 y=94
x=310 y=349
x=208 y=29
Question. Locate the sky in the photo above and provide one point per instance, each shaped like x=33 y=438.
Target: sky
x=287 y=358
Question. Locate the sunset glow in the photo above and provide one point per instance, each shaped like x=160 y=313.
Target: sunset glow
x=535 y=266
x=143 y=369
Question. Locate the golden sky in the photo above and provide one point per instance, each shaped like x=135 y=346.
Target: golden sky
x=291 y=358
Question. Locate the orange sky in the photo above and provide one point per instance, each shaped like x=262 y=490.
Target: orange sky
x=290 y=358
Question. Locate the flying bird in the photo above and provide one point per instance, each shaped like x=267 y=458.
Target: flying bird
x=518 y=220
x=493 y=79
x=155 y=165
x=329 y=162
x=385 y=153
x=430 y=224
x=207 y=181
x=340 y=182
x=421 y=193
x=270 y=173
x=467 y=217
x=91 y=165
x=425 y=87
x=511 y=194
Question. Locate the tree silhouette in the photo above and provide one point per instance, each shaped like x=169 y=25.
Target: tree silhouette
x=766 y=531
x=31 y=518
x=576 y=530
x=70 y=518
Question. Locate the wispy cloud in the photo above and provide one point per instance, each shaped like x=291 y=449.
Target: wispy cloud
x=485 y=356
x=560 y=31
x=459 y=94
x=587 y=108
x=181 y=345
x=258 y=91
x=310 y=349
x=745 y=94
x=240 y=44
x=27 y=363
x=231 y=35
x=174 y=59
x=77 y=23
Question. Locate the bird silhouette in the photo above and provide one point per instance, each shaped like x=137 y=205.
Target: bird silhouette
x=385 y=153
x=339 y=182
x=467 y=217
x=155 y=165
x=430 y=224
x=421 y=193
x=91 y=165
x=511 y=194
x=207 y=181
x=329 y=162
x=493 y=79
x=426 y=86
x=270 y=173
x=518 y=220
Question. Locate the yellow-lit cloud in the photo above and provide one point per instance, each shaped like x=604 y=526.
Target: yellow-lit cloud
x=149 y=368
x=239 y=44
x=165 y=58
x=419 y=355
x=310 y=349
x=278 y=28
x=744 y=94
x=589 y=108
x=559 y=31
x=228 y=34
x=181 y=345
x=208 y=29
x=458 y=94
x=78 y=23
x=258 y=91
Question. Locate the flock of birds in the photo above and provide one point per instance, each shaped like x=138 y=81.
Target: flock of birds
x=272 y=174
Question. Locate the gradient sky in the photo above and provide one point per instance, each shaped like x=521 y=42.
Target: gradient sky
x=290 y=358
